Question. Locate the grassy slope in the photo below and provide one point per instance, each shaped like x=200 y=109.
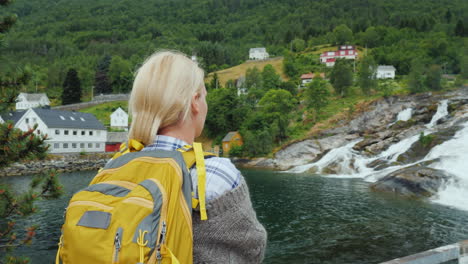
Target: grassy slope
x=104 y=110
x=239 y=70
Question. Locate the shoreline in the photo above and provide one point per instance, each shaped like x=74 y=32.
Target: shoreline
x=60 y=163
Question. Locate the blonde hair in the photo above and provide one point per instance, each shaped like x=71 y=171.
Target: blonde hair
x=162 y=93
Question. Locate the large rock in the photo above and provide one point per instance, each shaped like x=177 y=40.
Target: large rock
x=414 y=181
x=421 y=148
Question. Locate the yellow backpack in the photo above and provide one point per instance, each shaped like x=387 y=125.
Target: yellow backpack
x=138 y=209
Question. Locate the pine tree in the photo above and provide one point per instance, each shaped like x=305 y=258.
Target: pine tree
x=71 y=88
x=102 y=82
x=460 y=30
x=17 y=145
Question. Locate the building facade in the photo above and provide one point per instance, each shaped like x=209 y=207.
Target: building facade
x=68 y=132
x=385 y=72
x=258 y=54
x=25 y=101
x=119 y=119
x=344 y=52
x=231 y=139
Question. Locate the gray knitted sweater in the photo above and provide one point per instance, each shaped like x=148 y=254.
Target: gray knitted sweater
x=232 y=233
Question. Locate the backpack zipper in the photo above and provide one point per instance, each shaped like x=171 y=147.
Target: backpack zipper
x=90 y=203
x=117 y=245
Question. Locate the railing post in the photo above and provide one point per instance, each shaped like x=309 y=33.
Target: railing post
x=463 y=256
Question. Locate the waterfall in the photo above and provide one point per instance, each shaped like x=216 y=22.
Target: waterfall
x=405 y=115
x=453 y=158
x=442 y=110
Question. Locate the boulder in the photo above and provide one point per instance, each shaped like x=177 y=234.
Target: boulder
x=414 y=181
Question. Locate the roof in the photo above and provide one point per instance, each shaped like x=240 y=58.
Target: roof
x=229 y=136
x=386 y=68
x=257 y=50
x=337 y=53
x=117 y=137
x=14 y=116
x=33 y=96
x=311 y=75
x=68 y=119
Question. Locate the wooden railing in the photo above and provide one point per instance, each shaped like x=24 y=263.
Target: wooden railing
x=457 y=251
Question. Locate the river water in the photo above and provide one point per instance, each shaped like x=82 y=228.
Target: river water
x=309 y=219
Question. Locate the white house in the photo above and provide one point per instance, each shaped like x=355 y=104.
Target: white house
x=119 y=119
x=258 y=54
x=386 y=72
x=1 y=120
x=240 y=85
x=67 y=131
x=13 y=116
x=344 y=52
x=27 y=100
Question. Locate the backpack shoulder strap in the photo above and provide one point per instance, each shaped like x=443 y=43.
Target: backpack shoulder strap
x=196 y=156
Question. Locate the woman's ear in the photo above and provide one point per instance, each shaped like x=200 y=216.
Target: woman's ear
x=195 y=103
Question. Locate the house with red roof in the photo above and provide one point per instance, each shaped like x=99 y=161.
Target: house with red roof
x=307 y=78
x=344 y=52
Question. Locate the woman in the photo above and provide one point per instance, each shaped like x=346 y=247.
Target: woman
x=168 y=106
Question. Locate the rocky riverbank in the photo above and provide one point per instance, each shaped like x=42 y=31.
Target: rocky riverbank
x=389 y=144
x=60 y=163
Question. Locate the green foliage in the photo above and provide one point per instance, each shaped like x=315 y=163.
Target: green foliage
x=341 y=77
x=343 y=35
x=298 y=45
x=102 y=82
x=271 y=80
x=367 y=72
x=426 y=140
x=386 y=87
x=317 y=94
x=416 y=77
x=236 y=151
x=71 y=88
x=275 y=107
x=433 y=79
x=120 y=75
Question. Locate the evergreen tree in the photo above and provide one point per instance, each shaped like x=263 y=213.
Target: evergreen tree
x=341 y=77
x=120 y=75
x=433 y=78
x=102 y=84
x=71 y=88
x=416 y=77
x=367 y=75
x=317 y=94
x=16 y=145
x=460 y=29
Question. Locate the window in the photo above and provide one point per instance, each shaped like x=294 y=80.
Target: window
x=82 y=119
x=73 y=145
x=97 y=145
x=65 y=145
x=98 y=133
x=82 y=145
x=71 y=117
x=38 y=131
x=65 y=132
x=342 y=53
x=75 y=132
x=90 y=145
x=83 y=133
x=57 y=132
x=34 y=120
x=27 y=120
x=56 y=145
x=90 y=133
x=61 y=117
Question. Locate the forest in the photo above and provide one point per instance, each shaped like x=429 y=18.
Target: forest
x=101 y=43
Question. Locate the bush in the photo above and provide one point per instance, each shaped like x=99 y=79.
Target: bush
x=236 y=151
x=426 y=140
